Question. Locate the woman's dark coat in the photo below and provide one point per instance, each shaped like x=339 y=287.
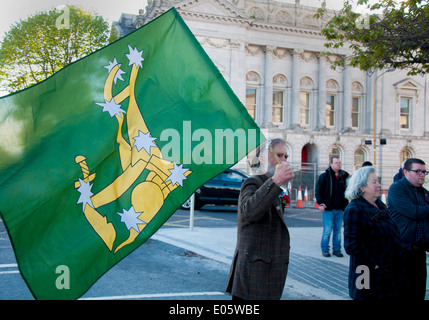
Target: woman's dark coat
x=371 y=238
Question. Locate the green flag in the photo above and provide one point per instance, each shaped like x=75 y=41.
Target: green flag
x=97 y=157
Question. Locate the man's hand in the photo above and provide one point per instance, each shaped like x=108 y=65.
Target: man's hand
x=322 y=207
x=283 y=174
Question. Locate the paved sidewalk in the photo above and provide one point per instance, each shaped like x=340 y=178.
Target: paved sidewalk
x=310 y=276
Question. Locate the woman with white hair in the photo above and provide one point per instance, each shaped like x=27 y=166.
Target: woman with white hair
x=371 y=238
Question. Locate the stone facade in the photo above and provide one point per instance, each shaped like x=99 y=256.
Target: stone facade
x=269 y=53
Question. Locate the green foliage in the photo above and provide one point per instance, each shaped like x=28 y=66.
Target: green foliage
x=391 y=34
x=36 y=48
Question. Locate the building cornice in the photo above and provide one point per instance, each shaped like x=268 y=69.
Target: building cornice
x=272 y=16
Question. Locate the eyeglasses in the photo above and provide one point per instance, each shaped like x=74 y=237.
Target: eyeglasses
x=420 y=172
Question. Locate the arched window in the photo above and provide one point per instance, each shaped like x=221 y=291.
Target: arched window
x=331 y=101
x=405 y=155
x=279 y=84
x=359 y=158
x=252 y=86
x=357 y=92
x=305 y=99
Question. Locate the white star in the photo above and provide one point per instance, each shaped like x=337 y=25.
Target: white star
x=177 y=174
x=130 y=218
x=119 y=73
x=85 y=194
x=135 y=56
x=111 y=107
x=144 y=141
x=111 y=65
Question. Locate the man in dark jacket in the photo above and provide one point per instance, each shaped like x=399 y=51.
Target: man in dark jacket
x=261 y=258
x=330 y=189
x=408 y=204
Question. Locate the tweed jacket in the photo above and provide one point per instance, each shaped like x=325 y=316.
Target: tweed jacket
x=372 y=240
x=261 y=258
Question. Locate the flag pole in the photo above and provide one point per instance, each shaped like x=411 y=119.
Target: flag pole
x=191 y=212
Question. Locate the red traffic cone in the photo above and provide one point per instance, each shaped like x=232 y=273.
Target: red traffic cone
x=383 y=197
x=299 y=200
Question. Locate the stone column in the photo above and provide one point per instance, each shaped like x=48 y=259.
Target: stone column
x=367 y=107
x=268 y=87
x=321 y=105
x=346 y=123
x=238 y=68
x=295 y=123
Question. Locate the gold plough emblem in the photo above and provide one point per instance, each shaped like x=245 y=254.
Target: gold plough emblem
x=141 y=153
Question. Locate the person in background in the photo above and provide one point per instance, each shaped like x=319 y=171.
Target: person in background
x=260 y=263
x=371 y=238
x=400 y=173
x=330 y=189
x=408 y=204
x=367 y=164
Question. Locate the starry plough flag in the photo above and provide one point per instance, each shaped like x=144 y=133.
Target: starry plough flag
x=97 y=157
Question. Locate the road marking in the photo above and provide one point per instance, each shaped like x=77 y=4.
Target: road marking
x=297 y=216
x=9 y=265
x=177 y=223
x=9 y=272
x=157 y=295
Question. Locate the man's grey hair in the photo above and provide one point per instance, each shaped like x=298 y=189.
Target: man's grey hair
x=263 y=148
x=357 y=181
x=262 y=152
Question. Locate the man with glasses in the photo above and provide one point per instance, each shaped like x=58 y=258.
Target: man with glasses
x=261 y=258
x=408 y=204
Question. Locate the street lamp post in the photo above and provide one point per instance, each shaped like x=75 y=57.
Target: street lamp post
x=375 y=112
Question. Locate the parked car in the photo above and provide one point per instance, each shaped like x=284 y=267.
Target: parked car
x=223 y=189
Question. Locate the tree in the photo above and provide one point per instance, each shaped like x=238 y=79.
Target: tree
x=44 y=43
x=390 y=34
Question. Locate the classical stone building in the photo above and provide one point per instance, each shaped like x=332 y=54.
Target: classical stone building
x=269 y=53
